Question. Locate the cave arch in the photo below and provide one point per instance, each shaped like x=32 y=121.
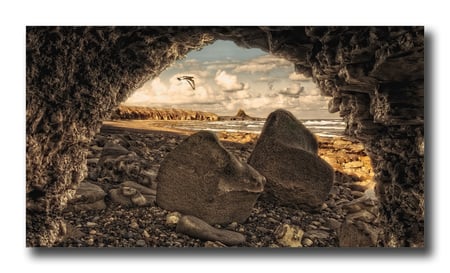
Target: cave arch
x=76 y=76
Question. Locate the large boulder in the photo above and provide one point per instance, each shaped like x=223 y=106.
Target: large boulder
x=286 y=154
x=201 y=178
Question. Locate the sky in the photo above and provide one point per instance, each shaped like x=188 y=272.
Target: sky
x=228 y=78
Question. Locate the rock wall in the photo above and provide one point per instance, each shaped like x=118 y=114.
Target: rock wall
x=76 y=77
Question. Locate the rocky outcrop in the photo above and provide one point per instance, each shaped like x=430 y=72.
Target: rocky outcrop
x=240 y=115
x=286 y=154
x=201 y=178
x=136 y=112
x=77 y=76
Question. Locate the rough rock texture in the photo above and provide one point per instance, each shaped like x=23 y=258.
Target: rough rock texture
x=286 y=154
x=289 y=235
x=131 y=194
x=88 y=197
x=135 y=112
x=76 y=77
x=198 y=228
x=201 y=178
x=117 y=164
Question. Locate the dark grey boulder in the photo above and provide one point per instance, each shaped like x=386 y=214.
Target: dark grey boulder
x=198 y=228
x=286 y=154
x=201 y=178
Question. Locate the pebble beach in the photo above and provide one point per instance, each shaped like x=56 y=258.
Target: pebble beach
x=346 y=218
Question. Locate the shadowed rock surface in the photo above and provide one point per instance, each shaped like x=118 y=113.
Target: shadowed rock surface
x=286 y=154
x=77 y=76
x=201 y=178
x=88 y=197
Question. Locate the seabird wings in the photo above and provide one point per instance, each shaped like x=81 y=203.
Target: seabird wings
x=189 y=79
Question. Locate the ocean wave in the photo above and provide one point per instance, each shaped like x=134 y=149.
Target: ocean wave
x=319 y=127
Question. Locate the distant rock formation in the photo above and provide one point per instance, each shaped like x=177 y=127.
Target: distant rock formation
x=201 y=178
x=240 y=115
x=138 y=112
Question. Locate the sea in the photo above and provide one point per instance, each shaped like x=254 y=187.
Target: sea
x=321 y=127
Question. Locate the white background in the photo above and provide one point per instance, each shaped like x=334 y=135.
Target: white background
x=15 y=15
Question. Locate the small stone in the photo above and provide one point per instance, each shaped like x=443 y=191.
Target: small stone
x=232 y=226
x=173 y=218
x=140 y=188
x=334 y=224
x=139 y=200
x=128 y=191
x=91 y=224
x=318 y=234
x=145 y=234
x=362 y=215
x=307 y=242
x=134 y=225
x=88 y=193
x=92 y=232
x=198 y=228
x=141 y=243
x=357 y=194
x=289 y=235
x=263 y=229
x=90 y=241
x=214 y=244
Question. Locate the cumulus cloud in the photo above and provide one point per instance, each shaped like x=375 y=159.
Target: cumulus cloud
x=263 y=63
x=298 y=77
x=293 y=91
x=156 y=93
x=229 y=82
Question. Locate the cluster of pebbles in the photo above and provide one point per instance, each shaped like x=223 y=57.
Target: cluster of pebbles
x=123 y=165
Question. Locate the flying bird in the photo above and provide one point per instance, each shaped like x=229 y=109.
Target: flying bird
x=189 y=79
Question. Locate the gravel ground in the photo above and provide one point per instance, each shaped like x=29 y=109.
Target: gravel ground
x=118 y=226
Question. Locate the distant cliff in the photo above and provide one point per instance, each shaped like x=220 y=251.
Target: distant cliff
x=241 y=115
x=137 y=112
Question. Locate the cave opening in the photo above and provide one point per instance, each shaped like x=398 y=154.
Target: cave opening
x=91 y=70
